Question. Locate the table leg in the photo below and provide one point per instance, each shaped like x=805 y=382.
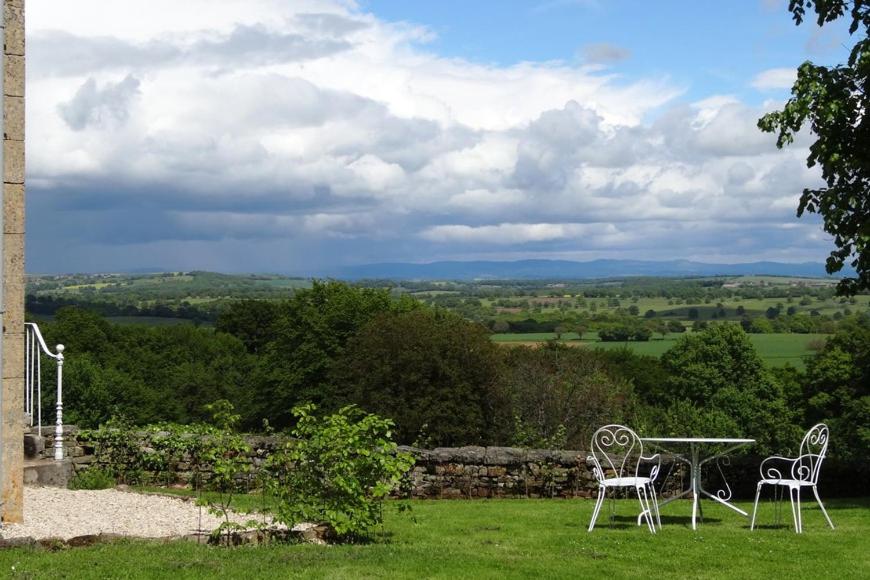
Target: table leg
x=696 y=486
x=723 y=502
x=673 y=497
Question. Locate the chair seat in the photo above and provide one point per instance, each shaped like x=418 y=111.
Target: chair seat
x=626 y=482
x=789 y=482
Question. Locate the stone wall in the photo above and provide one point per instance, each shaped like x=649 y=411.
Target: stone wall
x=12 y=427
x=441 y=473
x=509 y=472
x=479 y=472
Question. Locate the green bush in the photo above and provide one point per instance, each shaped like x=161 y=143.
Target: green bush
x=338 y=470
x=93 y=478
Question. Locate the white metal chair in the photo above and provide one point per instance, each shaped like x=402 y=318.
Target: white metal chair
x=617 y=454
x=797 y=473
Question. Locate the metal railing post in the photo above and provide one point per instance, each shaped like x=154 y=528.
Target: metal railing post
x=34 y=348
x=58 y=429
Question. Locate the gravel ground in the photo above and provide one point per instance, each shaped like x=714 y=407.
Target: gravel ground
x=51 y=512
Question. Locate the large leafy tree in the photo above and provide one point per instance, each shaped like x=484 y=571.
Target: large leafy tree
x=837 y=390
x=309 y=332
x=720 y=387
x=432 y=372
x=833 y=100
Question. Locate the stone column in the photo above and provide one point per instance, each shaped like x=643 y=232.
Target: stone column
x=12 y=411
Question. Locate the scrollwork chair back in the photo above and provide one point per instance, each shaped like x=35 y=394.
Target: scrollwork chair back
x=797 y=473
x=616 y=450
x=813 y=449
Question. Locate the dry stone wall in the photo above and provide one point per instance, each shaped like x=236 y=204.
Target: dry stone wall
x=441 y=473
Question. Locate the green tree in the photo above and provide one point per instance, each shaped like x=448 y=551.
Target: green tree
x=251 y=321
x=834 y=100
x=837 y=390
x=719 y=372
x=310 y=333
x=428 y=369
x=556 y=388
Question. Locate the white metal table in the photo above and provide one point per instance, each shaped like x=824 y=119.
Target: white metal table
x=695 y=462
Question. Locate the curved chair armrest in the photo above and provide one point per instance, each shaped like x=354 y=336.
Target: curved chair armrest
x=657 y=459
x=596 y=468
x=776 y=466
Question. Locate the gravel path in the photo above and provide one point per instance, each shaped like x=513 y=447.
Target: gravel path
x=51 y=512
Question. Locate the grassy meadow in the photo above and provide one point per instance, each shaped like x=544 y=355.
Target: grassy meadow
x=504 y=539
x=776 y=349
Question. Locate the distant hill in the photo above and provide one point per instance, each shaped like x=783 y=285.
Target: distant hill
x=569 y=270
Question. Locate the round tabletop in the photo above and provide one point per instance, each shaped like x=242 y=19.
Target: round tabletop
x=695 y=440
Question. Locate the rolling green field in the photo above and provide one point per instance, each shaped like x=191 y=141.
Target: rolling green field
x=146 y=320
x=776 y=349
x=505 y=539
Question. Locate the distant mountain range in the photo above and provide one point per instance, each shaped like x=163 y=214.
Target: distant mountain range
x=569 y=270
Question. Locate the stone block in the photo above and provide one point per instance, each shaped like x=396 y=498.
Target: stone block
x=13 y=118
x=505 y=456
x=13 y=255
x=34 y=445
x=13 y=208
x=48 y=472
x=14 y=297
x=13 y=161
x=471 y=454
x=13 y=365
x=14 y=20
x=13 y=81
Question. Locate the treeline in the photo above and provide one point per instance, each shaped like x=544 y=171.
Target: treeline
x=680 y=290
x=49 y=305
x=444 y=382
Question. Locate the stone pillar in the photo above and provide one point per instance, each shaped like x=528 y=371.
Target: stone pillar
x=12 y=411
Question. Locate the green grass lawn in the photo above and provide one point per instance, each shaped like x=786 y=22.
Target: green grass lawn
x=504 y=539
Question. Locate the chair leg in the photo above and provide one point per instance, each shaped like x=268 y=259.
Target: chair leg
x=777 y=504
x=794 y=497
x=597 y=509
x=824 y=511
x=645 y=507
x=755 y=507
x=655 y=500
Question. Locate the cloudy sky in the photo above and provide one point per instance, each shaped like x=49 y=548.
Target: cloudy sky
x=298 y=136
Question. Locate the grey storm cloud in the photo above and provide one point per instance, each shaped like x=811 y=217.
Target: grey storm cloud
x=218 y=159
x=93 y=105
x=604 y=53
x=56 y=52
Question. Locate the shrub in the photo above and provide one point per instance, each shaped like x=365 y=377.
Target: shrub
x=338 y=470
x=93 y=478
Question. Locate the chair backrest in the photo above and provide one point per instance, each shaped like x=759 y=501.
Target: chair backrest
x=812 y=453
x=615 y=449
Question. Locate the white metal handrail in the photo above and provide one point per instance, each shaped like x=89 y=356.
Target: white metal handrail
x=34 y=348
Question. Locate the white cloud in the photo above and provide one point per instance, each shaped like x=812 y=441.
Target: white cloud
x=774 y=79
x=315 y=123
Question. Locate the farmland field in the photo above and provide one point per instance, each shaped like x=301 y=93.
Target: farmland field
x=776 y=349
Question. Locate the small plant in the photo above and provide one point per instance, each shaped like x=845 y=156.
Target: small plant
x=117 y=450
x=226 y=451
x=93 y=478
x=338 y=470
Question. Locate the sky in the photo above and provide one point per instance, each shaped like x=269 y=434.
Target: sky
x=300 y=136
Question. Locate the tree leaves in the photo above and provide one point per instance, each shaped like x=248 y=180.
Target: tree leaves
x=833 y=101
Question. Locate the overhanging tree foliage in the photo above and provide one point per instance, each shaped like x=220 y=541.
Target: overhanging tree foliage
x=834 y=102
